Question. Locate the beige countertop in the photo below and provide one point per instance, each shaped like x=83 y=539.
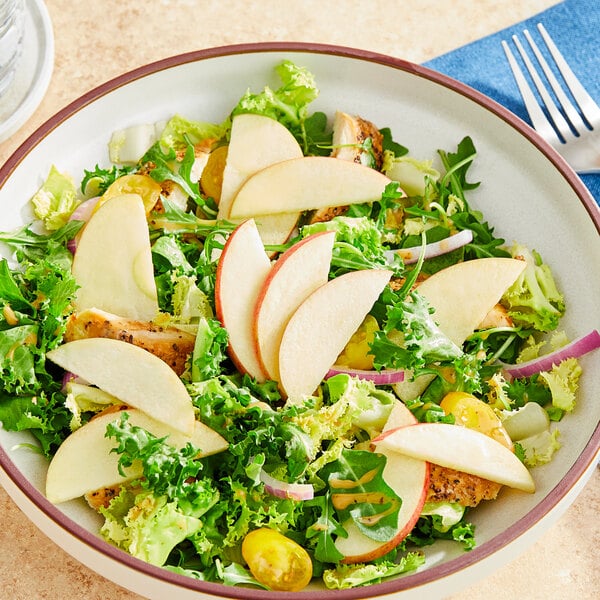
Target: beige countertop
x=99 y=39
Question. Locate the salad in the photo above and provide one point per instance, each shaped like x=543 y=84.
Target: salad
x=291 y=350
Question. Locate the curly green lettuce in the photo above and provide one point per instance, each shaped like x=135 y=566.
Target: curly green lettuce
x=534 y=300
x=350 y=576
x=287 y=104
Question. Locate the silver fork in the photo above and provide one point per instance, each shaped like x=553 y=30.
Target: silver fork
x=574 y=131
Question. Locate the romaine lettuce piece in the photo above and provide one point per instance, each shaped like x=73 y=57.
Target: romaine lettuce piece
x=54 y=202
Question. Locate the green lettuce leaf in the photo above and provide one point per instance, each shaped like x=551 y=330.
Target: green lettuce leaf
x=287 y=104
x=350 y=576
x=359 y=492
x=54 y=202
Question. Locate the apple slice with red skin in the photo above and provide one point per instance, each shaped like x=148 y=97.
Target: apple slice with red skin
x=459 y=448
x=298 y=272
x=321 y=326
x=409 y=478
x=241 y=273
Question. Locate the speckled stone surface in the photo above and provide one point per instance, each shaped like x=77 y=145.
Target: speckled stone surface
x=98 y=40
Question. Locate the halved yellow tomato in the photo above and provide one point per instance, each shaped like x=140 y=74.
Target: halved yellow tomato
x=356 y=353
x=276 y=560
x=211 y=179
x=474 y=413
x=135 y=183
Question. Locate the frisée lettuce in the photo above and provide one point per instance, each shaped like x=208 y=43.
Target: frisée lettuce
x=191 y=513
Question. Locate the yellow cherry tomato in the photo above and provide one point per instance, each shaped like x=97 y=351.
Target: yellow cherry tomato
x=474 y=413
x=356 y=353
x=143 y=185
x=277 y=561
x=211 y=179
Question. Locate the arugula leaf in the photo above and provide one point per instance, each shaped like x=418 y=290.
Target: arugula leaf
x=456 y=165
x=95 y=182
x=10 y=292
x=389 y=144
x=165 y=167
x=359 y=492
x=323 y=530
x=318 y=137
x=32 y=247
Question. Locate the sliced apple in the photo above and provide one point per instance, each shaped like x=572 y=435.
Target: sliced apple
x=459 y=448
x=297 y=273
x=113 y=263
x=399 y=416
x=409 y=478
x=275 y=230
x=322 y=325
x=131 y=374
x=84 y=461
x=307 y=183
x=241 y=273
x=256 y=142
x=462 y=295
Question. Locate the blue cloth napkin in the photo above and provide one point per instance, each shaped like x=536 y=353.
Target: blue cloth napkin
x=575 y=27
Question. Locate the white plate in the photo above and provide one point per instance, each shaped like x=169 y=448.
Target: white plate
x=34 y=70
x=528 y=192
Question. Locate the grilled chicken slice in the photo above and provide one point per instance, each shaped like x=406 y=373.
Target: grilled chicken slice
x=101 y=498
x=448 y=485
x=497 y=317
x=349 y=136
x=168 y=343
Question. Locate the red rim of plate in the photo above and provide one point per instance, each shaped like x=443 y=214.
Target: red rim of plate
x=432 y=574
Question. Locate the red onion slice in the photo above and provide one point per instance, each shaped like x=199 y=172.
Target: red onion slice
x=575 y=349
x=82 y=213
x=385 y=377
x=283 y=489
x=453 y=242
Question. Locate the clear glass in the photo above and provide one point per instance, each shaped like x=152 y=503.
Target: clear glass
x=11 y=40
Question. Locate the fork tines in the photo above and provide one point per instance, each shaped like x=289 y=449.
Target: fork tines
x=559 y=120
